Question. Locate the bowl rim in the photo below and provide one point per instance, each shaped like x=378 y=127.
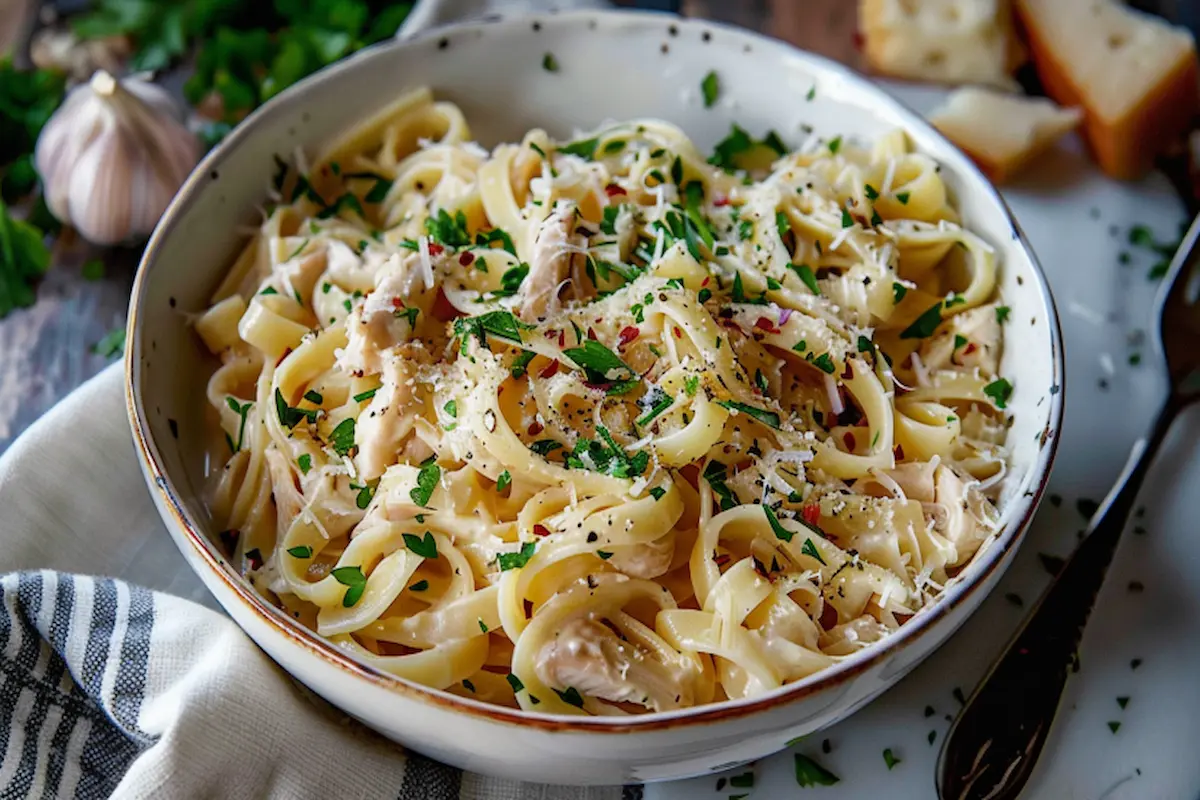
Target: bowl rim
x=767 y=49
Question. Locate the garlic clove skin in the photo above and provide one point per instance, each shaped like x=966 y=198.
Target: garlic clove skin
x=112 y=157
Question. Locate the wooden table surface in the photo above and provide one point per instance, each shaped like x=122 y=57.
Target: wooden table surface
x=46 y=351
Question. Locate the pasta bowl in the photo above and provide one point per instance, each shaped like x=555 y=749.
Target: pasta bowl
x=565 y=72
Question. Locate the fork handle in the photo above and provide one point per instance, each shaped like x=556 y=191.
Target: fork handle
x=992 y=747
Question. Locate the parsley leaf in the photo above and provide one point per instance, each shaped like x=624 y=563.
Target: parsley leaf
x=24 y=258
x=601 y=364
x=503 y=481
x=354 y=581
x=924 y=325
x=301 y=551
x=809 y=549
x=448 y=231
x=999 y=390
x=780 y=532
x=810 y=773
x=714 y=473
x=518 y=559
x=342 y=437
x=660 y=403
x=550 y=63
x=710 y=88
x=427 y=481
x=898 y=292
x=768 y=418
x=571 y=697
x=486 y=239
x=1002 y=313
x=497 y=323
x=805 y=272
x=425 y=547
x=304 y=462
x=584 y=148
x=824 y=362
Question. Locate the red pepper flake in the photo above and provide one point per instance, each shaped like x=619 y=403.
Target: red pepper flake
x=535 y=428
x=678 y=333
x=435 y=249
x=720 y=200
x=443 y=310
x=541 y=530
x=562 y=338
x=764 y=324
x=466 y=258
x=628 y=334
x=550 y=371
x=612 y=189
x=254 y=558
x=970 y=348
x=898 y=452
x=705 y=282
x=397 y=302
x=848 y=373
x=859 y=39
x=811 y=513
x=591 y=334
x=848 y=438
x=722 y=559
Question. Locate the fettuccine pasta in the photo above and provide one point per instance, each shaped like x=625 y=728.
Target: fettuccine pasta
x=605 y=426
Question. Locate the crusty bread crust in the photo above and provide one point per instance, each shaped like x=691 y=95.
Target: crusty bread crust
x=1125 y=147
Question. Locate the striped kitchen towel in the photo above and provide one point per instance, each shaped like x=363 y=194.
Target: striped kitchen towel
x=108 y=689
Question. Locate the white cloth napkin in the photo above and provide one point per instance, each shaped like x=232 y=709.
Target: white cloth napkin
x=111 y=689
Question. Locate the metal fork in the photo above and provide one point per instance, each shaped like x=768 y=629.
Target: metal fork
x=994 y=744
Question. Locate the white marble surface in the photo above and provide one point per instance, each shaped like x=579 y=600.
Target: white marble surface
x=1067 y=209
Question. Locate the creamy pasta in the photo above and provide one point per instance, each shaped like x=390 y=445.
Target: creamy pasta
x=604 y=426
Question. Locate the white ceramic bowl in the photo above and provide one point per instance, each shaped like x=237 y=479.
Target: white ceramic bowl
x=613 y=66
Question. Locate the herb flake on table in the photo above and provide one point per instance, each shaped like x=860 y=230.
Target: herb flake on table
x=549 y=62
x=710 y=89
x=809 y=773
x=890 y=759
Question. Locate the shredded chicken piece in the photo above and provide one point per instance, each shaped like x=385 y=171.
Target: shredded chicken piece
x=388 y=420
x=558 y=263
x=375 y=326
x=587 y=656
x=962 y=526
x=647 y=561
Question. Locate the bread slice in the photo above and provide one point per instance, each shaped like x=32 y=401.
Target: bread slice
x=1002 y=132
x=943 y=41
x=1134 y=75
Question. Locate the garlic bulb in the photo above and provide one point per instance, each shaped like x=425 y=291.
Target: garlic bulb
x=112 y=157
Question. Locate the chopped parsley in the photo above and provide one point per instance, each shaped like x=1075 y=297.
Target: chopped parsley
x=550 y=63
x=367 y=395
x=710 y=88
x=715 y=474
x=304 y=462
x=342 y=437
x=503 y=481
x=864 y=344
x=608 y=224
x=544 y=447
x=515 y=683
x=871 y=192
x=497 y=323
x=924 y=325
x=314 y=397
x=607 y=456
x=780 y=532
x=290 y=417
x=584 y=148
x=365 y=493
x=300 y=551
x=782 y=224
x=486 y=239
x=1002 y=313
x=354 y=581
x=807 y=276
x=424 y=547
x=847 y=220
x=902 y=197
x=890 y=759
x=768 y=418
x=810 y=773
x=898 y=292
x=419 y=586
x=691 y=384
x=448 y=231
x=518 y=559
x=824 y=362
x=599 y=363
x=427 y=481
x=959 y=341
x=657 y=492
x=661 y=402
x=241 y=409
x=570 y=697
x=810 y=549
x=520 y=363
x=999 y=390
x=835 y=144
x=604 y=555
